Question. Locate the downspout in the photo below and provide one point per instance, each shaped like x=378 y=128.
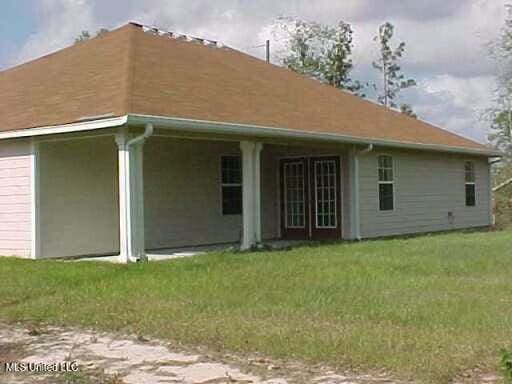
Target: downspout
x=148 y=131
x=357 y=221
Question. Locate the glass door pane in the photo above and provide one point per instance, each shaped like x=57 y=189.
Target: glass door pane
x=294 y=195
x=325 y=193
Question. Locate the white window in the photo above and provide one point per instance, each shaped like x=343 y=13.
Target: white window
x=470 y=183
x=386 y=183
x=231 y=185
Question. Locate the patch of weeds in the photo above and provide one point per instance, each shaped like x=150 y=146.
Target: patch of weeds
x=35 y=332
x=506 y=365
x=88 y=377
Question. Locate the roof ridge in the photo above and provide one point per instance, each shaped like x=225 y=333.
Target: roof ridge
x=177 y=35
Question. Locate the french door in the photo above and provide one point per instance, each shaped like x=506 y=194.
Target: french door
x=310 y=198
x=294 y=198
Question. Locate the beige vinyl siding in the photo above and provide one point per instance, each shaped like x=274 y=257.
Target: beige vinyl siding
x=269 y=194
x=182 y=193
x=15 y=198
x=79 y=210
x=426 y=187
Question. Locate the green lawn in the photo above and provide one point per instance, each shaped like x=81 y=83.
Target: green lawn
x=426 y=307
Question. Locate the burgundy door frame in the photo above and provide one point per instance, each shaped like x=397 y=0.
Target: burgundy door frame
x=287 y=232
x=310 y=229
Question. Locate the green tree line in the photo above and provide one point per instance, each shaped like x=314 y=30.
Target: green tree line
x=324 y=52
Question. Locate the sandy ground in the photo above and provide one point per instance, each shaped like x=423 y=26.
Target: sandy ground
x=105 y=358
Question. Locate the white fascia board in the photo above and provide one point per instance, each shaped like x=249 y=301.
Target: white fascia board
x=203 y=126
x=66 y=128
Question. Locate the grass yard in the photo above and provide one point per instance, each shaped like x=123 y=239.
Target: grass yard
x=426 y=308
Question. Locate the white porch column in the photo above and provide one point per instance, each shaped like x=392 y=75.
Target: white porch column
x=257 y=191
x=131 y=200
x=251 y=205
x=34 y=200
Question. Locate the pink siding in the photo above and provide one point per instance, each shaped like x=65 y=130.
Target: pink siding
x=15 y=198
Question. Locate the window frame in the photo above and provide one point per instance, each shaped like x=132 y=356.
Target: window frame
x=222 y=184
x=379 y=182
x=473 y=183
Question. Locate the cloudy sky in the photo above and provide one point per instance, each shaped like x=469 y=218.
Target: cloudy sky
x=446 y=39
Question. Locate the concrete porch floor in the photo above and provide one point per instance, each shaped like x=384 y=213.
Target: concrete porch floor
x=176 y=253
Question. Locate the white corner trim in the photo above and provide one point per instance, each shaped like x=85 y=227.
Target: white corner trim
x=66 y=128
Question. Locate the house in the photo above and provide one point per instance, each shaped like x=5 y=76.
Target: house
x=141 y=140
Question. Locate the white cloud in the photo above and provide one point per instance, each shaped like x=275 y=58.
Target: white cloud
x=455 y=103
x=62 y=21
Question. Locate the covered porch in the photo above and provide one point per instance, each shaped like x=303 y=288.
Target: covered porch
x=131 y=192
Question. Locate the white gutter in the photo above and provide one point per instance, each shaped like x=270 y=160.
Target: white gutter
x=357 y=208
x=66 y=128
x=204 y=126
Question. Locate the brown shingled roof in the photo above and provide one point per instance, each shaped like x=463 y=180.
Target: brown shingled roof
x=129 y=71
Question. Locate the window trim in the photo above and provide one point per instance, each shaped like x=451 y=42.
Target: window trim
x=470 y=183
x=393 y=169
x=222 y=185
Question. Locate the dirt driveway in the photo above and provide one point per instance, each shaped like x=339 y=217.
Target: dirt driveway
x=104 y=358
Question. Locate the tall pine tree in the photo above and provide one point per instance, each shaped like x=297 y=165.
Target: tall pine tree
x=393 y=80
